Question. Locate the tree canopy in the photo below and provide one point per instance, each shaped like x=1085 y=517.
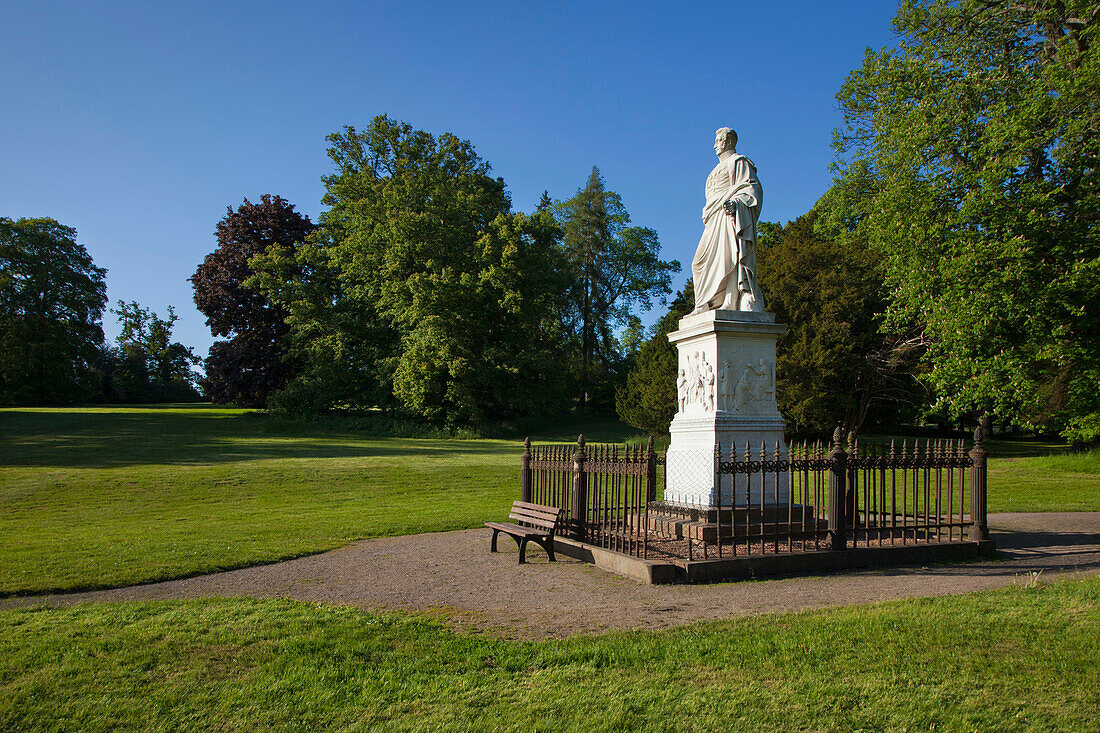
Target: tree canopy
x=969 y=154
x=52 y=298
x=834 y=365
x=647 y=400
x=615 y=268
x=252 y=362
x=148 y=366
x=420 y=287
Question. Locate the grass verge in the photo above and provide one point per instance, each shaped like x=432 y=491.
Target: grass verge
x=1021 y=658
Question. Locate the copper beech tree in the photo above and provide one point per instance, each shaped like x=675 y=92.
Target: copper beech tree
x=252 y=362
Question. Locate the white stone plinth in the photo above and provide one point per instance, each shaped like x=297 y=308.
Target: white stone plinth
x=726 y=397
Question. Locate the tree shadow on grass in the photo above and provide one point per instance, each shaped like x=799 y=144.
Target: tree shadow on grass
x=1003 y=447
x=106 y=438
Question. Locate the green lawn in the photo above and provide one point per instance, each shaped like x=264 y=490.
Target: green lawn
x=1048 y=482
x=1014 y=659
x=108 y=496
x=111 y=496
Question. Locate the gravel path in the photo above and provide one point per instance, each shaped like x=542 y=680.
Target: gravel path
x=452 y=574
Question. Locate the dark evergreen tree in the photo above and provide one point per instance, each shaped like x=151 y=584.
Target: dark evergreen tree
x=545 y=203
x=648 y=398
x=834 y=367
x=614 y=269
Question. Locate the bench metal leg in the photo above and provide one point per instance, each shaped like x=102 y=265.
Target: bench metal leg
x=493 y=544
x=523 y=551
x=548 y=545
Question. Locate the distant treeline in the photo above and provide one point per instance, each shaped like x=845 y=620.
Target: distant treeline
x=52 y=349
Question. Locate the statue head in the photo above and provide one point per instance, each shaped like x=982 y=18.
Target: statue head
x=724 y=139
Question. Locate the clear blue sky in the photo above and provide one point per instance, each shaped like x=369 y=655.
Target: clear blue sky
x=138 y=123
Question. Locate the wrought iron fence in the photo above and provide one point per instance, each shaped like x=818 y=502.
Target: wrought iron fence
x=812 y=497
x=603 y=491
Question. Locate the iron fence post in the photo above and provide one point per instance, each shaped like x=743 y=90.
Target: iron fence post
x=525 y=478
x=838 y=470
x=650 y=472
x=580 y=490
x=979 y=529
x=851 y=486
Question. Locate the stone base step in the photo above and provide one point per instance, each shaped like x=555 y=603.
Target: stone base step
x=756 y=514
x=709 y=531
x=704 y=524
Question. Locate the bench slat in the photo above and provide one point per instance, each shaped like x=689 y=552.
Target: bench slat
x=548 y=526
x=534 y=515
x=533 y=518
x=538 y=507
x=515 y=529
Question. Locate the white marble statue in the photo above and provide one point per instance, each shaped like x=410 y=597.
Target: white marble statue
x=697 y=378
x=724 y=267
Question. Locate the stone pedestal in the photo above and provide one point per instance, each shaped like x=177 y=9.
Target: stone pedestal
x=726 y=397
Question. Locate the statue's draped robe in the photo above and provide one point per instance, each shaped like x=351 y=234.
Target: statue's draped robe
x=725 y=261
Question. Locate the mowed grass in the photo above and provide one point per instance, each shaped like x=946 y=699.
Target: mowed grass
x=99 y=497
x=1021 y=658
x=1053 y=481
x=107 y=496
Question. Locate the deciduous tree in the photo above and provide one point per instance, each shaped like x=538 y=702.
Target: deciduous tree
x=152 y=367
x=975 y=143
x=420 y=285
x=253 y=362
x=51 y=307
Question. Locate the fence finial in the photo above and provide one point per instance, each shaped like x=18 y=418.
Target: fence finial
x=978 y=436
x=838 y=437
x=527 y=445
x=580 y=440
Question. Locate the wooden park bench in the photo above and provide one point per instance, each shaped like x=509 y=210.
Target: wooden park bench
x=534 y=522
